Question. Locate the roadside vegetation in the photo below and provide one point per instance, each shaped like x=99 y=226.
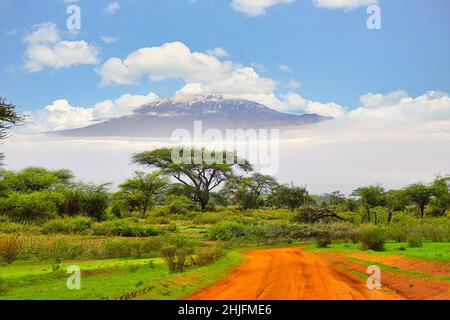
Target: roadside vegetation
x=170 y=223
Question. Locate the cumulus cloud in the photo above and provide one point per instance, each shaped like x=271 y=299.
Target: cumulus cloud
x=397 y=106
x=256 y=8
x=343 y=4
x=61 y=115
x=45 y=48
x=176 y=61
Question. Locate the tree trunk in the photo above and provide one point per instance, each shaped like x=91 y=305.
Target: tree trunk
x=391 y=212
x=422 y=212
x=376 y=218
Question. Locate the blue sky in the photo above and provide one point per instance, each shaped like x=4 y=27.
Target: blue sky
x=329 y=51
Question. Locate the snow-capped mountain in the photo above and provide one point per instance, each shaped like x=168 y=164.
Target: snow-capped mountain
x=161 y=118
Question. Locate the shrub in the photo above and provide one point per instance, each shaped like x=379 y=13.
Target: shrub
x=177 y=251
x=372 y=238
x=227 y=231
x=180 y=205
x=30 y=206
x=209 y=255
x=123 y=228
x=323 y=242
x=415 y=240
x=78 y=225
x=10 y=246
x=398 y=232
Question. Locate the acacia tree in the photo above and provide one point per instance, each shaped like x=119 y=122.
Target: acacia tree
x=441 y=193
x=370 y=197
x=421 y=195
x=9 y=117
x=396 y=200
x=143 y=188
x=248 y=190
x=290 y=196
x=199 y=169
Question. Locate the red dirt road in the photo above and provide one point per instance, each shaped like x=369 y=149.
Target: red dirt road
x=290 y=274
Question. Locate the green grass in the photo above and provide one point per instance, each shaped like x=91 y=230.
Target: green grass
x=435 y=251
x=111 y=279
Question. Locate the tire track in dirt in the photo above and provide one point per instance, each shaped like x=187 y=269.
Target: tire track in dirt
x=290 y=274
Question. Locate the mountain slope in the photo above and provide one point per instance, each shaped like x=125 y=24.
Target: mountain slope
x=161 y=118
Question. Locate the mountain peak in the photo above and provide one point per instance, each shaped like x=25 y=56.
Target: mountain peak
x=161 y=118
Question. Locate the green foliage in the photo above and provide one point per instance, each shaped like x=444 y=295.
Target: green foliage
x=420 y=195
x=79 y=225
x=200 y=169
x=177 y=251
x=290 y=197
x=38 y=205
x=209 y=255
x=140 y=192
x=370 y=197
x=415 y=240
x=97 y=201
x=180 y=205
x=323 y=242
x=35 y=179
x=314 y=214
x=123 y=228
x=373 y=238
x=226 y=231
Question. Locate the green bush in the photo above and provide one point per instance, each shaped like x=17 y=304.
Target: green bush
x=80 y=225
x=180 y=205
x=373 y=238
x=37 y=205
x=209 y=255
x=415 y=240
x=323 y=242
x=177 y=251
x=227 y=231
x=123 y=228
x=398 y=232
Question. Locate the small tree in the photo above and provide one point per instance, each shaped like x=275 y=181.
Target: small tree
x=97 y=200
x=143 y=188
x=420 y=195
x=248 y=190
x=291 y=197
x=441 y=193
x=370 y=197
x=396 y=200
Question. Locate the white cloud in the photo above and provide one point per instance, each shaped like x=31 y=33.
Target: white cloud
x=431 y=108
x=176 y=61
x=61 y=115
x=47 y=49
x=122 y=105
x=256 y=7
x=343 y=4
x=218 y=52
x=112 y=7
x=109 y=39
